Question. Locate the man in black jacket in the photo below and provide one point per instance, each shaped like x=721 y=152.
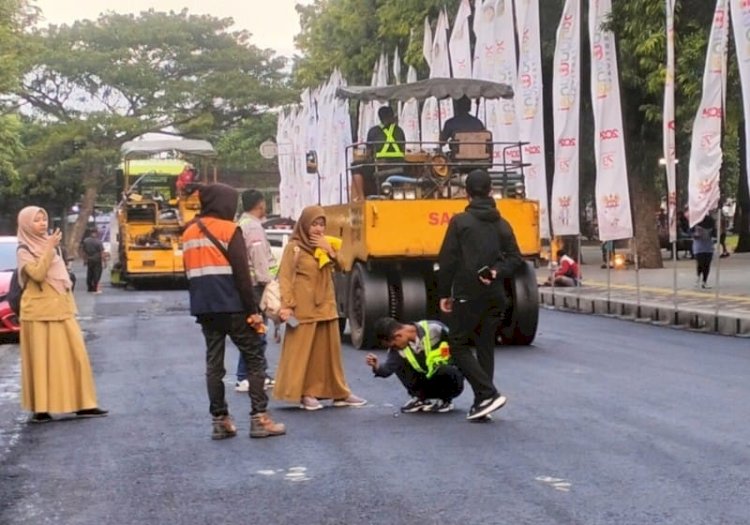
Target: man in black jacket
x=479 y=252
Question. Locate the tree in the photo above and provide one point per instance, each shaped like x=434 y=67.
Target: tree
x=100 y=83
x=351 y=34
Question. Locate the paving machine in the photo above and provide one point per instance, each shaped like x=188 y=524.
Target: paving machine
x=154 y=208
x=391 y=239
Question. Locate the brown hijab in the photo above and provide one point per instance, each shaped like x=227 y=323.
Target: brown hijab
x=57 y=274
x=301 y=233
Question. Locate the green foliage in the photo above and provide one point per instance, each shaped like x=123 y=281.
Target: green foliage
x=351 y=35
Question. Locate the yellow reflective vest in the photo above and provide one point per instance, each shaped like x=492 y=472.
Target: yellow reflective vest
x=434 y=357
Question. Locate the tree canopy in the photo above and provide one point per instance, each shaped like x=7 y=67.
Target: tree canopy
x=95 y=84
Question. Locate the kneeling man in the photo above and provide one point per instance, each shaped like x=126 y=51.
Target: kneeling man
x=419 y=355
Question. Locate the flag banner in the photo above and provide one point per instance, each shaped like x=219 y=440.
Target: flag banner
x=668 y=123
x=612 y=193
x=705 y=146
x=529 y=107
x=409 y=116
x=435 y=114
x=566 y=103
x=460 y=45
x=741 y=22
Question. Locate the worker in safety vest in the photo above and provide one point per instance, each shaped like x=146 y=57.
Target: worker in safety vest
x=386 y=144
x=419 y=356
x=223 y=303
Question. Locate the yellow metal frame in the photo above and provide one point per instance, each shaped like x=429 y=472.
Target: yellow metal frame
x=385 y=229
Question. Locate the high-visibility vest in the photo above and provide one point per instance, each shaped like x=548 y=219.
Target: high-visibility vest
x=390 y=148
x=210 y=279
x=434 y=357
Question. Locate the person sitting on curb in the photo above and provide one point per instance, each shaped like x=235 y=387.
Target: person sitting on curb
x=568 y=271
x=419 y=356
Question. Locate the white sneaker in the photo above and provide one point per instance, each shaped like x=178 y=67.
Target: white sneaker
x=270 y=382
x=242 y=386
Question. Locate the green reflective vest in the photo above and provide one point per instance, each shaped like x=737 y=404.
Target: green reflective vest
x=390 y=148
x=434 y=357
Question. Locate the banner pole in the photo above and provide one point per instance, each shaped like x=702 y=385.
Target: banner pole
x=637 y=280
x=717 y=281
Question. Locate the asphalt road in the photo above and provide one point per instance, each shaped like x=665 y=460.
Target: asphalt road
x=608 y=422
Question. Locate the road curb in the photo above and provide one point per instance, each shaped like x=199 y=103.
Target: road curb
x=736 y=324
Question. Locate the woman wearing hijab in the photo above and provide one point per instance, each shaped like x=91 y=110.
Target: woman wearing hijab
x=56 y=375
x=310 y=365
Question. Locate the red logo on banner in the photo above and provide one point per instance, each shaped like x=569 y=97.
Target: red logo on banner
x=608 y=161
x=612 y=200
x=708 y=140
x=609 y=134
x=713 y=112
x=567 y=142
x=564 y=166
x=533 y=149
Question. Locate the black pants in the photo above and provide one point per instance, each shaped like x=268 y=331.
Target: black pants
x=93 y=274
x=215 y=329
x=703 y=264
x=447 y=383
x=476 y=319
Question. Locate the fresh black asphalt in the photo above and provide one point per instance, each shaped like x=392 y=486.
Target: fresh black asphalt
x=608 y=422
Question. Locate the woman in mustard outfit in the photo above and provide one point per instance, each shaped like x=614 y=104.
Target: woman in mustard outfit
x=310 y=367
x=55 y=371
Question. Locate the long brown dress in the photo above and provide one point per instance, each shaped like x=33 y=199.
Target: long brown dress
x=56 y=375
x=310 y=362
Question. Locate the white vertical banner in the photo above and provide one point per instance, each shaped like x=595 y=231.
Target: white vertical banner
x=495 y=60
x=529 y=107
x=668 y=123
x=460 y=45
x=409 y=116
x=741 y=22
x=612 y=192
x=367 y=115
x=429 y=118
x=705 y=146
x=566 y=103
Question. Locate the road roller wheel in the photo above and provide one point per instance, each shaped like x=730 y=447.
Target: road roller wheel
x=413 y=297
x=522 y=315
x=368 y=302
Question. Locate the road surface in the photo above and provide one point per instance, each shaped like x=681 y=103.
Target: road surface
x=608 y=422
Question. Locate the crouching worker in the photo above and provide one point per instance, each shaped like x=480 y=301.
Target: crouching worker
x=418 y=354
x=223 y=303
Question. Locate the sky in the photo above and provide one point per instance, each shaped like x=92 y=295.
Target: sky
x=273 y=23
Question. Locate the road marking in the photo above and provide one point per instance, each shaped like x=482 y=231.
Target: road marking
x=292 y=474
x=556 y=483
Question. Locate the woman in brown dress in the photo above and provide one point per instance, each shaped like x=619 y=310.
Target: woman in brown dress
x=55 y=371
x=310 y=365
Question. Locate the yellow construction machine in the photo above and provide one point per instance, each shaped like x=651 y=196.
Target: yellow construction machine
x=154 y=208
x=391 y=239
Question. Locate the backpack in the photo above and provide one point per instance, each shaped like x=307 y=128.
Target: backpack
x=16 y=290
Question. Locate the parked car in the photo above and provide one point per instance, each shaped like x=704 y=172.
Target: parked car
x=8 y=321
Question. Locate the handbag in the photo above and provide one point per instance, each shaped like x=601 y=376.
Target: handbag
x=270 y=301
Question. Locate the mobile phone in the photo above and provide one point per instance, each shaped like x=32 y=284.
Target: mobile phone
x=485 y=272
x=292 y=322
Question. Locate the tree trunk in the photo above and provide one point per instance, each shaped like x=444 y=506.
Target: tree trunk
x=742 y=213
x=645 y=204
x=86 y=210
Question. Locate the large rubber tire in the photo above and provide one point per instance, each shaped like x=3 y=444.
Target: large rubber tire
x=368 y=302
x=413 y=297
x=522 y=315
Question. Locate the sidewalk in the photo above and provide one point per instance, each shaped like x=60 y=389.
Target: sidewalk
x=648 y=295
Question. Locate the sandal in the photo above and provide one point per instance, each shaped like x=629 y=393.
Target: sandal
x=351 y=401
x=40 y=417
x=310 y=403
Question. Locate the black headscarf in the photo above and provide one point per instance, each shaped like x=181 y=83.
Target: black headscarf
x=218 y=201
